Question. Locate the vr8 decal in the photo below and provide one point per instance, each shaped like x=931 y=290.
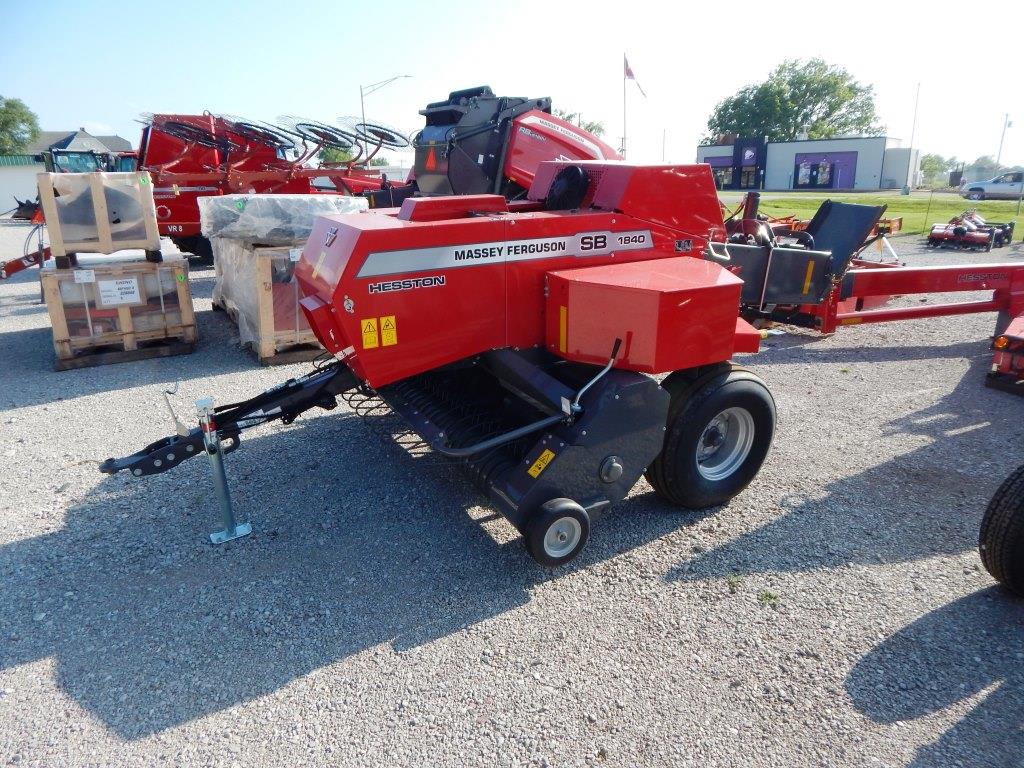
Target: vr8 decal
x=381 y=263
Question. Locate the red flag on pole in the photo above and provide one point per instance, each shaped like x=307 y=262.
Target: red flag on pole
x=627 y=73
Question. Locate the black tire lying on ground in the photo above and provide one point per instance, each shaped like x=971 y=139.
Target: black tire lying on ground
x=1001 y=539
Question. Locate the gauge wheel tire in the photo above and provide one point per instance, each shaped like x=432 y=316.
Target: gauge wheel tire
x=975 y=195
x=718 y=433
x=558 y=531
x=1001 y=539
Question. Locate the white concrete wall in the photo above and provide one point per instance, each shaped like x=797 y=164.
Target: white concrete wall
x=900 y=167
x=713 y=151
x=782 y=158
x=18 y=181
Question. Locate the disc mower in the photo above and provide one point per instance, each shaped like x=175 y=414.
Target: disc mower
x=969 y=231
x=522 y=338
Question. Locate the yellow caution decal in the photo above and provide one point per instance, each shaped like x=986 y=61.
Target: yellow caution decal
x=807 y=277
x=369 y=330
x=541 y=463
x=388 y=331
x=563 y=328
x=851 y=320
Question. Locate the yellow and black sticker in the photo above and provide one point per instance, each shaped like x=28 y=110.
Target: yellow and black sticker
x=369 y=329
x=851 y=320
x=541 y=463
x=388 y=331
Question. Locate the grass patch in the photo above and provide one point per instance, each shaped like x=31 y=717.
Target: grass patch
x=734 y=582
x=913 y=208
x=768 y=598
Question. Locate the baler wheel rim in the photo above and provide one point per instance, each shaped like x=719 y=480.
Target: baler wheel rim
x=725 y=443
x=562 y=536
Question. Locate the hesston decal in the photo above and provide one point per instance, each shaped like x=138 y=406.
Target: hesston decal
x=407 y=285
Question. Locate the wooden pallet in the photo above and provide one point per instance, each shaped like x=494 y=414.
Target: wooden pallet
x=275 y=328
x=114 y=320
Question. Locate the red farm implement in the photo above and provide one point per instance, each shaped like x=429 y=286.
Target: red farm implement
x=520 y=337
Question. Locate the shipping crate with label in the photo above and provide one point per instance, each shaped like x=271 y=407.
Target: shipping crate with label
x=99 y=213
x=256 y=286
x=111 y=310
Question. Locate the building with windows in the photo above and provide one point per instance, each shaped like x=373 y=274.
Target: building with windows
x=858 y=163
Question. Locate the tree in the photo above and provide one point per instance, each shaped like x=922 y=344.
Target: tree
x=799 y=97
x=19 y=126
x=591 y=126
x=334 y=155
x=380 y=161
x=936 y=168
x=982 y=169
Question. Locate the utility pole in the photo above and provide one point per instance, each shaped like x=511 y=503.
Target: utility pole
x=913 y=133
x=999 y=154
x=366 y=90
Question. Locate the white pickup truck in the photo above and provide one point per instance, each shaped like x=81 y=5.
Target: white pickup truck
x=1005 y=187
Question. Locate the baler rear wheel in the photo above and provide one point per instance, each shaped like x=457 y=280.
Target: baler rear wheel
x=1001 y=539
x=557 y=532
x=718 y=434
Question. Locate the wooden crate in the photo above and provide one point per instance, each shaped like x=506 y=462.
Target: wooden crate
x=256 y=287
x=119 y=311
x=98 y=212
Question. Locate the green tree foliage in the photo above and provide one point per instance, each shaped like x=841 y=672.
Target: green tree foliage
x=380 y=161
x=591 y=126
x=936 y=168
x=19 y=126
x=329 y=155
x=811 y=97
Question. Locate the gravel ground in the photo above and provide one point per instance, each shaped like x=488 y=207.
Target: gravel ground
x=835 y=613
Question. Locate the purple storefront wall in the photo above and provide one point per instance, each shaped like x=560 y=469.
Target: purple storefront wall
x=844 y=166
x=719 y=162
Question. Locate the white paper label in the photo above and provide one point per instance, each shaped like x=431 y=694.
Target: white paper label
x=124 y=290
x=295 y=254
x=85 y=276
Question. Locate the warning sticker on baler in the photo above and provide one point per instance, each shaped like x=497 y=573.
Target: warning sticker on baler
x=541 y=463
x=369 y=329
x=388 y=331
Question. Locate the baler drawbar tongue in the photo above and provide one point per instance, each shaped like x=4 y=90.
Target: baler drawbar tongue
x=285 y=402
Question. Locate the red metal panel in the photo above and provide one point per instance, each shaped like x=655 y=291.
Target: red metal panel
x=460 y=286
x=670 y=313
x=538 y=136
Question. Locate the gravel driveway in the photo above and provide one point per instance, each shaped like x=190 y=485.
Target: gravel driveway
x=834 y=613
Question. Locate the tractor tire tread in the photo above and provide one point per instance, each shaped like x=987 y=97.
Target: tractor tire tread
x=1001 y=537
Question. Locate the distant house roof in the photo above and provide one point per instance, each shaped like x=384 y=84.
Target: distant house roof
x=78 y=141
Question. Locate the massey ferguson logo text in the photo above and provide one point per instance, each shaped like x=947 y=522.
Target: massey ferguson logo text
x=498 y=251
x=407 y=285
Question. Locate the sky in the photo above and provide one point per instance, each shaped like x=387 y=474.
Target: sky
x=100 y=64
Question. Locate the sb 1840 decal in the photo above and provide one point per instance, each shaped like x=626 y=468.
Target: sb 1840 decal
x=381 y=263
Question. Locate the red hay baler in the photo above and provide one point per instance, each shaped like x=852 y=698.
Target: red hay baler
x=520 y=338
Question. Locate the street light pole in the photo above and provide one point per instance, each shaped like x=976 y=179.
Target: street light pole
x=999 y=154
x=366 y=90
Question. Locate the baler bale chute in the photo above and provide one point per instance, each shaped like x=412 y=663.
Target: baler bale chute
x=522 y=338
